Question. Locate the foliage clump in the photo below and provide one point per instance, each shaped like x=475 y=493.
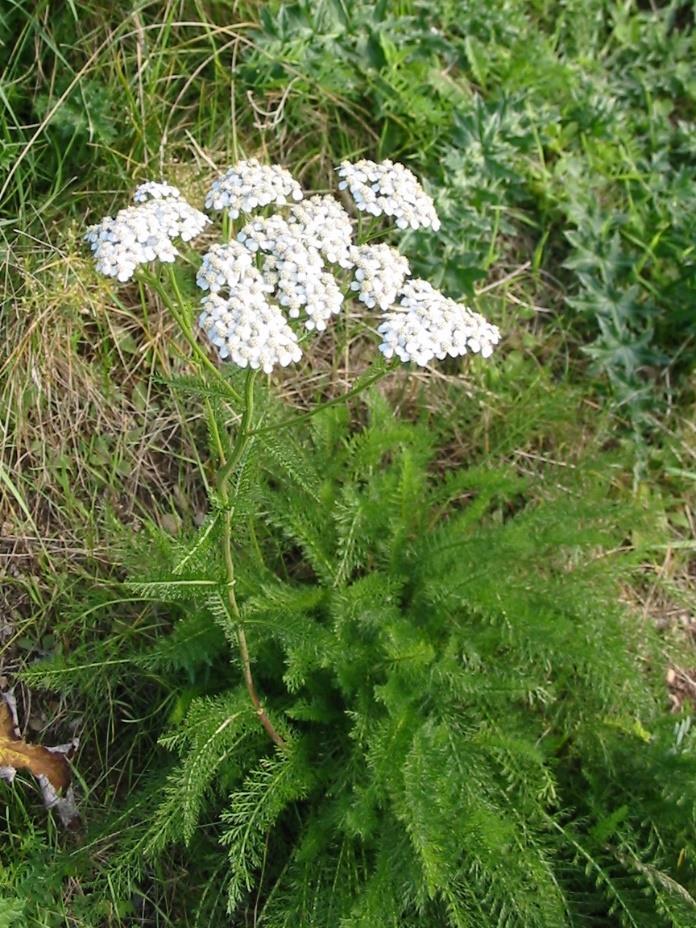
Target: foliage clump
x=470 y=736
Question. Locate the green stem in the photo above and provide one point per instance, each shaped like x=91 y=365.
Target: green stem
x=244 y=436
x=178 y=312
x=230 y=462
x=214 y=430
x=223 y=479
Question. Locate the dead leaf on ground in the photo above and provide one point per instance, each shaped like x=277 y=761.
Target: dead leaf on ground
x=48 y=764
x=682 y=687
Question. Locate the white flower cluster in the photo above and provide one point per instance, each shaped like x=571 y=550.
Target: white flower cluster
x=271 y=236
x=226 y=267
x=428 y=325
x=380 y=272
x=389 y=189
x=237 y=317
x=143 y=233
x=249 y=330
x=322 y=223
x=294 y=270
x=278 y=269
x=250 y=185
x=301 y=283
x=154 y=190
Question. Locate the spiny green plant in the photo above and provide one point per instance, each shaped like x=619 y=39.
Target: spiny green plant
x=470 y=730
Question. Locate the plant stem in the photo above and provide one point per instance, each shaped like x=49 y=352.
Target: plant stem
x=223 y=478
x=244 y=436
x=199 y=354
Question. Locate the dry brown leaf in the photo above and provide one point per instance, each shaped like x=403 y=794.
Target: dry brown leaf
x=682 y=687
x=49 y=765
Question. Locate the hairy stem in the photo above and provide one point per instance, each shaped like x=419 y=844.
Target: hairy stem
x=223 y=478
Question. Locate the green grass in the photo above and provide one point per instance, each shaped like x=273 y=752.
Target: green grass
x=557 y=140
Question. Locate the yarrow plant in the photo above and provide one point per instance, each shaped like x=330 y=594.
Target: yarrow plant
x=360 y=760
x=282 y=277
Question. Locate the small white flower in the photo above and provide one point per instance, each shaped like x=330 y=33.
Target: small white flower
x=426 y=325
x=294 y=269
x=272 y=235
x=325 y=225
x=380 y=272
x=143 y=233
x=388 y=189
x=225 y=266
x=154 y=190
x=300 y=283
x=249 y=331
x=250 y=185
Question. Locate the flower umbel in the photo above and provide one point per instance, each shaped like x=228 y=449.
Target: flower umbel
x=294 y=270
x=426 y=325
x=237 y=316
x=379 y=274
x=227 y=267
x=322 y=223
x=249 y=185
x=301 y=283
x=388 y=189
x=143 y=233
x=154 y=190
x=271 y=235
x=248 y=330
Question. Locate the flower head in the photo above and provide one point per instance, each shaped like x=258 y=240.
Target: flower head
x=294 y=270
x=300 y=283
x=154 y=190
x=177 y=218
x=426 y=325
x=325 y=225
x=224 y=267
x=388 y=189
x=379 y=274
x=143 y=233
x=249 y=331
x=249 y=185
x=271 y=235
